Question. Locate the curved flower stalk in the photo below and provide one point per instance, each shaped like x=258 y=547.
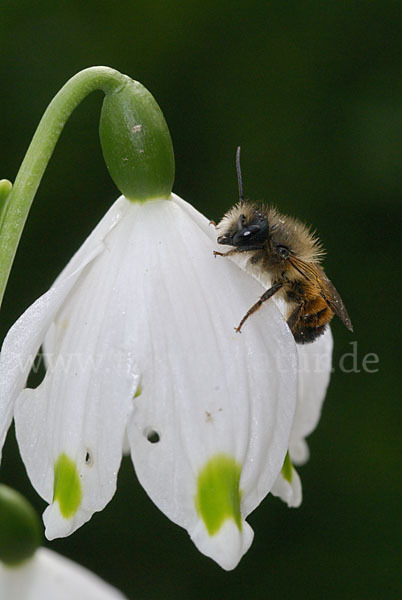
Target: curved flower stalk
x=138 y=337
x=50 y=576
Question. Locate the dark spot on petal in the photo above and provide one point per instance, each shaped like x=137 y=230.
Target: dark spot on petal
x=151 y=435
x=88 y=459
x=38 y=371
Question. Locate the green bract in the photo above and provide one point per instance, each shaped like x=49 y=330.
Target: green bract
x=136 y=143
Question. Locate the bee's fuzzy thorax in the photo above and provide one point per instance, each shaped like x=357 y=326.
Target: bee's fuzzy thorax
x=294 y=234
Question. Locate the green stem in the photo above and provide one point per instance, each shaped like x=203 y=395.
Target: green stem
x=135 y=140
x=38 y=155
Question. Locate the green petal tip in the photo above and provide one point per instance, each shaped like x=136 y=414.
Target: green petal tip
x=218 y=494
x=287 y=468
x=67 y=489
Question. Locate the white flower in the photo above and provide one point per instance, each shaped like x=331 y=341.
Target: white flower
x=50 y=576
x=138 y=335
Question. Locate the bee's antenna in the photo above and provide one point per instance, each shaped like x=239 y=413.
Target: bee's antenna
x=239 y=180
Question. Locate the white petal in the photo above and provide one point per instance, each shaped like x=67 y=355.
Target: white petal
x=313 y=378
x=289 y=491
x=25 y=337
x=206 y=390
x=314 y=373
x=95 y=240
x=23 y=340
x=50 y=576
x=225 y=545
x=73 y=424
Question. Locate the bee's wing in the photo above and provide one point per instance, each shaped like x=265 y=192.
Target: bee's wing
x=314 y=273
x=334 y=301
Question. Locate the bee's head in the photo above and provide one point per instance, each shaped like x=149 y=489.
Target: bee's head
x=246 y=231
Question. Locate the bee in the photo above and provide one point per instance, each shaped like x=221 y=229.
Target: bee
x=284 y=250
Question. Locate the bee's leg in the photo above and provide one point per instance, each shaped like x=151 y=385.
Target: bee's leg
x=266 y=295
x=294 y=317
x=237 y=251
x=228 y=253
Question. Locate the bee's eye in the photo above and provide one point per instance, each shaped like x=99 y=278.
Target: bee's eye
x=282 y=251
x=248 y=232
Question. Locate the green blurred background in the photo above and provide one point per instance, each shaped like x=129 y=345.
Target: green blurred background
x=312 y=93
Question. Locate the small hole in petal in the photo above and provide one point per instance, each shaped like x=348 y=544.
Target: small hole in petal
x=152 y=435
x=88 y=459
x=38 y=371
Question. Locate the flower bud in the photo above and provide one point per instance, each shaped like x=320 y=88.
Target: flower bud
x=20 y=532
